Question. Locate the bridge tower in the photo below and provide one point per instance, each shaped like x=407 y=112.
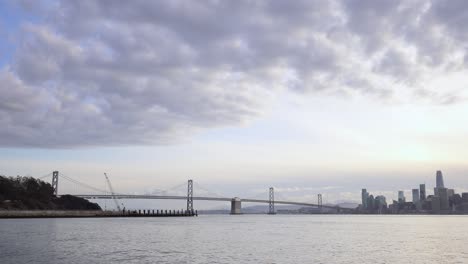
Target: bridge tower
x=55 y=175
x=319 y=200
x=190 y=196
x=271 y=201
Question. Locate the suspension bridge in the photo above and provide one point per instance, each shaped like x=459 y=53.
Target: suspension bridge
x=236 y=202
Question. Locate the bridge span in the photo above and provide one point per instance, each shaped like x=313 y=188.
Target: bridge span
x=236 y=203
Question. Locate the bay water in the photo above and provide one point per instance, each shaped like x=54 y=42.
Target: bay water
x=237 y=239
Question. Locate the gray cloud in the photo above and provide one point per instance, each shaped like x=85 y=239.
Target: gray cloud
x=152 y=72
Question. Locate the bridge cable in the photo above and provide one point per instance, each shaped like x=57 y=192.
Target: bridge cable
x=44 y=176
x=280 y=196
x=166 y=191
x=260 y=196
x=209 y=192
x=83 y=184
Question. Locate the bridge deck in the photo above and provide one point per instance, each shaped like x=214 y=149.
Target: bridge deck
x=200 y=198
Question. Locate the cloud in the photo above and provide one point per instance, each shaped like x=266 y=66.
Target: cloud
x=95 y=73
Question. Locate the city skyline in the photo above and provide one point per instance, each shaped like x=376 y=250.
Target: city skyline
x=443 y=200
x=306 y=96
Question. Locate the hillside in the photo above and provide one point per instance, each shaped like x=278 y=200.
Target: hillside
x=27 y=193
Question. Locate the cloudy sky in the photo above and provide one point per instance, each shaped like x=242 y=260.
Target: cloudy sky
x=307 y=96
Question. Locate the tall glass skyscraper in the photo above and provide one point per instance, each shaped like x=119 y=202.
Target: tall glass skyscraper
x=439 y=180
x=422 y=192
x=415 y=195
x=364 y=196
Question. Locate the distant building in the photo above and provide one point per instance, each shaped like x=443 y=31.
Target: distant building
x=465 y=197
x=401 y=197
x=415 y=196
x=422 y=192
x=439 y=183
x=435 y=204
x=427 y=204
x=381 y=204
x=456 y=201
x=444 y=198
x=381 y=199
x=444 y=201
x=406 y=207
x=439 y=180
x=370 y=203
x=364 y=197
x=451 y=192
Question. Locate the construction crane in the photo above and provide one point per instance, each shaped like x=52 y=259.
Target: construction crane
x=112 y=192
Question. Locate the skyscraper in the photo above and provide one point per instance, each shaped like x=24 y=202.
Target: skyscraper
x=439 y=180
x=364 y=196
x=422 y=192
x=415 y=196
x=371 y=202
x=380 y=203
x=401 y=197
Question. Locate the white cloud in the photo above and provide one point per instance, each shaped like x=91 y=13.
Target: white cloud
x=140 y=72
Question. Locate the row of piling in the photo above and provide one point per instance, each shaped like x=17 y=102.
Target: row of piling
x=159 y=213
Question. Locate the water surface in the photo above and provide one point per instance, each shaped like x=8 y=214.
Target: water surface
x=237 y=239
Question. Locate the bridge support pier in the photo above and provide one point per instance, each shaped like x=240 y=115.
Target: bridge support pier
x=236 y=206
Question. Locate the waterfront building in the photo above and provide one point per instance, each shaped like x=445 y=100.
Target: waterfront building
x=401 y=197
x=407 y=207
x=451 y=192
x=381 y=199
x=393 y=208
x=439 y=180
x=381 y=203
x=426 y=204
x=465 y=197
x=435 y=204
x=371 y=202
x=422 y=192
x=364 y=197
x=444 y=198
x=415 y=196
x=439 y=183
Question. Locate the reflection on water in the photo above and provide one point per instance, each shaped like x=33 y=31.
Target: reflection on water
x=237 y=239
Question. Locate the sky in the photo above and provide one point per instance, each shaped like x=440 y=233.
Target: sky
x=306 y=96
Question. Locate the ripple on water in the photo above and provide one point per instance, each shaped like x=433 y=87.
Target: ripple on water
x=237 y=239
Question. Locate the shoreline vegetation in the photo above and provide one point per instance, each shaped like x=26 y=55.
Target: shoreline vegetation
x=30 y=194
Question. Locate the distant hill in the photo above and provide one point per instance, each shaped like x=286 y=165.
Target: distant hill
x=350 y=205
x=260 y=209
x=27 y=193
x=265 y=208
x=255 y=209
